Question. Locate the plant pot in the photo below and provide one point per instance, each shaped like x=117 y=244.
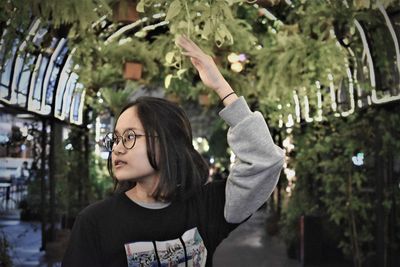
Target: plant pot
x=124 y=11
x=133 y=71
x=204 y=100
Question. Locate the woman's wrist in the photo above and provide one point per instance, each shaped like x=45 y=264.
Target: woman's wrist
x=227 y=95
x=223 y=89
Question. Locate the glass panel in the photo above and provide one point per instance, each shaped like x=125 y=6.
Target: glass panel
x=64 y=77
x=37 y=93
x=52 y=84
x=26 y=72
x=60 y=58
x=68 y=94
x=77 y=101
x=54 y=75
x=5 y=74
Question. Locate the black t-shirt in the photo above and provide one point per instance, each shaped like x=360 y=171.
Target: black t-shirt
x=119 y=232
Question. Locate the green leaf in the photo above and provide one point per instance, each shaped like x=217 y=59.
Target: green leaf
x=167 y=80
x=182 y=24
x=207 y=30
x=140 y=6
x=173 y=10
x=169 y=57
x=223 y=34
x=227 y=12
x=180 y=72
x=231 y=2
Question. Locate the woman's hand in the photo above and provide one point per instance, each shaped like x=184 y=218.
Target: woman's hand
x=208 y=70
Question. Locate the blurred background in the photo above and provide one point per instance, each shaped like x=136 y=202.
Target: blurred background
x=325 y=74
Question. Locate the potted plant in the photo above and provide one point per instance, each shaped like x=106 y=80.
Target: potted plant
x=138 y=63
x=133 y=71
x=124 y=11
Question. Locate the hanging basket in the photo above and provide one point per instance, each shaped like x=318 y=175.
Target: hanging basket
x=133 y=71
x=125 y=12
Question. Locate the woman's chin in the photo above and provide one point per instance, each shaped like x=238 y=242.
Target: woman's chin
x=122 y=178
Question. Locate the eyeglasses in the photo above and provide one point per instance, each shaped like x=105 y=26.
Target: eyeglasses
x=128 y=140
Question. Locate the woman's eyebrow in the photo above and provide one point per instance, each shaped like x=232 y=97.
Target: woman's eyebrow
x=126 y=129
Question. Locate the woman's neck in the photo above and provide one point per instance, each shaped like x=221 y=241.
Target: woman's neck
x=143 y=192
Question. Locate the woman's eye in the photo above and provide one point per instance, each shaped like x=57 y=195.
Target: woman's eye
x=131 y=136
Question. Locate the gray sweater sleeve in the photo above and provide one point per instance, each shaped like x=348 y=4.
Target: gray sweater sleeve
x=258 y=162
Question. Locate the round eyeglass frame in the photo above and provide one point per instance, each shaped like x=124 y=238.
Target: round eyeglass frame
x=109 y=140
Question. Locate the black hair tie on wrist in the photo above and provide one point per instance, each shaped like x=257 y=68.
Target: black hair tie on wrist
x=225 y=97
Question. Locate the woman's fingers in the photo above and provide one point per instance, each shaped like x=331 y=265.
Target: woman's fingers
x=204 y=64
x=189 y=46
x=192 y=55
x=184 y=43
x=192 y=44
x=195 y=62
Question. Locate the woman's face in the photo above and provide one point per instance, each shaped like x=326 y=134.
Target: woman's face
x=131 y=164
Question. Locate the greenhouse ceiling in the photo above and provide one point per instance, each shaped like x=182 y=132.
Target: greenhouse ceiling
x=300 y=60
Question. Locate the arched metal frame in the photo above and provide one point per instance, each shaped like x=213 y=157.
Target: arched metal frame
x=42 y=83
x=357 y=97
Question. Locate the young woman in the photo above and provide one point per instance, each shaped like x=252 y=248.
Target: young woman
x=163 y=213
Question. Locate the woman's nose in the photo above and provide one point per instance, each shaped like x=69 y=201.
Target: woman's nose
x=119 y=148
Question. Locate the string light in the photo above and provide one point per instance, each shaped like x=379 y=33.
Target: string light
x=307 y=109
x=319 y=102
x=296 y=106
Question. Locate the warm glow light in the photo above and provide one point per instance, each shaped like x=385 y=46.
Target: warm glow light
x=237 y=67
x=290 y=174
x=280 y=121
x=288 y=190
x=233 y=58
x=287 y=144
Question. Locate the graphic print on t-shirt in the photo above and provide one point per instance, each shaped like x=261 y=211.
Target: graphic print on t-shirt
x=188 y=248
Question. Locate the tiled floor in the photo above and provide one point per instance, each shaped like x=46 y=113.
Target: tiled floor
x=249 y=245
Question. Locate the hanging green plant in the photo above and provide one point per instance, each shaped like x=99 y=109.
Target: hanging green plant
x=200 y=20
x=124 y=11
x=300 y=54
x=131 y=50
x=116 y=99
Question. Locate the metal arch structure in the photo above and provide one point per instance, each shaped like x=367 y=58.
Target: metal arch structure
x=356 y=96
x=43 y=85
x=39 y=87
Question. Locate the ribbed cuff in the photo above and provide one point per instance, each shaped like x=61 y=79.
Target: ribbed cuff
x=235 y=112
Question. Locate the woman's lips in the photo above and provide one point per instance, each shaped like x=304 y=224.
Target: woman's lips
x=119 y=163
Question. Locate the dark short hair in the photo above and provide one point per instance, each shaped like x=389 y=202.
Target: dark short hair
x=182 y=169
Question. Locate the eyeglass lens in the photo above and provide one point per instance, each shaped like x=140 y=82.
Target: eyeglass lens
x=128 y=140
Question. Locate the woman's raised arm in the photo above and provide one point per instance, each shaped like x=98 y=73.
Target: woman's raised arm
x=259 y=161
